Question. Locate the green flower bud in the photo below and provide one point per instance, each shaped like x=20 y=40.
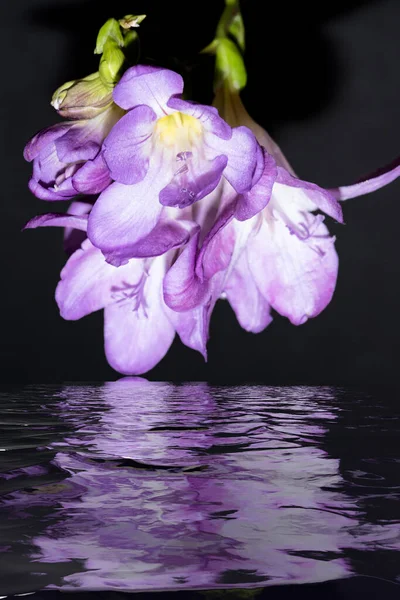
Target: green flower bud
x=130 y=21
x=111 y=63
x=110 y=31
x=83 y=98
x=229 y=64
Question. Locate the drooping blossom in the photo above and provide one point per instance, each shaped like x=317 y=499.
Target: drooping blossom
x=164 y=153
x=138 y=326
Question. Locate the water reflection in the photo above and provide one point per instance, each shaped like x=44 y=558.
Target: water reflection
x=193 y=486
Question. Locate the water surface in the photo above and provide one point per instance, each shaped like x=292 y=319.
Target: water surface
x=139 y=486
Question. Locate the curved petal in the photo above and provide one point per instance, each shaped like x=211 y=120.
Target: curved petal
x=192 y=327
x=93 y=177
x=193 y=180
x=251 y=309
x=58 y=220
x=207 y=115
x=243 y=156
x=59 y=193
x=152 y=86
x=183 y=290
x=43 y=139
x=252 y=202
x=88 y=283
x=371 y=183
x=127 y=148
x=137 y=336
x=321 y=198
x=125 y=214
x=73 y=238
x=296 y=277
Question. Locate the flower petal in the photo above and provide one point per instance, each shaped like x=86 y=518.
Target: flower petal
x=127 y=149
x=252 y=202
x=243 y=157
x=371 y=183
x=321 y=198
x=88 y=283
x=137 y=338
x=207 y=115
x=93 y=177
x=125 y=214
x=44 y=138
x=152 y=86
x=251 y=309
x=65 y=191
x=73 y=238
x=193 y=180
x=296 y=277
x=183 y=290
x=58 y=220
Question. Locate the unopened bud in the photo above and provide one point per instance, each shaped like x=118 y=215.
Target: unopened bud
x=110 y=31
x=111 y=63
x=83 y=98
x=130 y=21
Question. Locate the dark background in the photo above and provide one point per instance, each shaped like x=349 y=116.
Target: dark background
x=325 y=84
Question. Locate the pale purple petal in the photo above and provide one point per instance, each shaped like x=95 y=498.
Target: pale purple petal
x=371 y=183
x=152 y=86
x=250 y=203
x=193 y=180
x=192 y=327
x=73 y=238
x=127 y=148
x=58 y=220
x=78 y=143
x=138 y=334
x=207 y=115
x=323 y=199
x=183 y=290
x=88 y=283
x=125 y=214
x=296 y=277
x=63 y=192
x=251 y=308
x=243 y=157
x=44 y=138
x=93 y=177
x=218 y=246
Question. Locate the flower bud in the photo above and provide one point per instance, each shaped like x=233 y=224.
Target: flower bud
x=111 y=63
x=82 y=98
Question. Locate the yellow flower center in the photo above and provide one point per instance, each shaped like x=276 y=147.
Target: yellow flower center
x=178 y=130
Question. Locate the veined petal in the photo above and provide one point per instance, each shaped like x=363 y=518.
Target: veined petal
x=183 y=290
x=93 y=177
x=137 y=337
x=88 y=283
x=125 y=214
x=152 y=86
x=321 y=198
x=252 y=202
x=296 y=277
x=193 y=180
x=58 y=220
x=127 y=148
x=371 y=183
x=43 y=139
x=207 y=115
x=243 y=157
x=251 y=308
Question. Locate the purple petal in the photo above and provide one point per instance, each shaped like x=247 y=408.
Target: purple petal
x=44 y=138
x=58 y=220
x=125 y=214
x=296 y=277
x=323 y=199
x=252 y=202
x=192 y=327
x=73 y=238
x=77 y=144
x=88 y=283
x=193 y=180
x=93 y=177
x=251 y=309
x=243 y=157
x=183 y=290
x=137 y=335
x=147 y=85
x=63 y=192
x=207 y=115
x=371 y=183
x=127 y=148
x=218 y=246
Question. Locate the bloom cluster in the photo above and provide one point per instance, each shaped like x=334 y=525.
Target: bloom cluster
x=174 y=206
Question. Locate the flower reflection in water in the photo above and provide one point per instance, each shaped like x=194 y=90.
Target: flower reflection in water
x=190 y=486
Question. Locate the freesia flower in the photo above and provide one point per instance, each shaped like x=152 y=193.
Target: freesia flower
x=165 y=152
x=138 y=326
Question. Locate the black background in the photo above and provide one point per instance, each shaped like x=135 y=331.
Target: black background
x=324 y=82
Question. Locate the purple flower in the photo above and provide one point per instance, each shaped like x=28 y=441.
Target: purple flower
x=66 y=157
x=138 y=326
x=165 y=152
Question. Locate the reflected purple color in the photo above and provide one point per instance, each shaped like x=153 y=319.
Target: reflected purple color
x=196 y=487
